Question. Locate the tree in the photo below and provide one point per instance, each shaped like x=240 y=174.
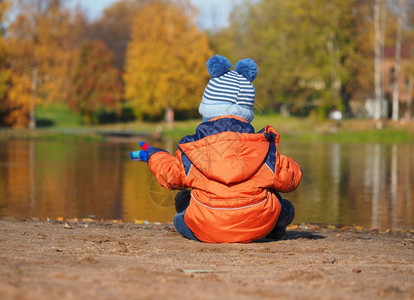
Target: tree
x=5 y=73
x=301 y=47
x=165 y=60
x=95 y=83
x=379 y=45
x=19 y=99
x=396 y=87
x=40 y=36
x=230 y=41
x=15 y=97
x=114 y=27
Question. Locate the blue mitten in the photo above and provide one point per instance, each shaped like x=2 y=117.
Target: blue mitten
x=141 y=155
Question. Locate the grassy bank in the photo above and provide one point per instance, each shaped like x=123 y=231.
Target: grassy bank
x=347 y=131
x=58 y=123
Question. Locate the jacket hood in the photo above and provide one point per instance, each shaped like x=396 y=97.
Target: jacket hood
x=227 y=157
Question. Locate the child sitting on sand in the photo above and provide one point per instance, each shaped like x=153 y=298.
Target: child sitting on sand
x=234 y=173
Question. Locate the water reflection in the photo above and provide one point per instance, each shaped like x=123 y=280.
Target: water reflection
x=368 y=185
x=363 y=184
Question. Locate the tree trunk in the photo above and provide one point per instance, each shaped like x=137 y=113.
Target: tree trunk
x=169 y=118
x=396 y=83
x=32 y=116
x=378 y=61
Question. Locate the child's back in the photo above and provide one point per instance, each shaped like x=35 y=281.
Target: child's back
x=234 y=173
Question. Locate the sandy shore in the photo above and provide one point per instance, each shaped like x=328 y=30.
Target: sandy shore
x=107 y=260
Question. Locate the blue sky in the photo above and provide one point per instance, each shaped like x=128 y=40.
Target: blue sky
x=212 y=13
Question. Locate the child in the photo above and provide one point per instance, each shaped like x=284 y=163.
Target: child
x=234 y=173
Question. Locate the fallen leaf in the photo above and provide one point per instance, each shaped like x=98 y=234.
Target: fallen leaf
x=88 y=220
x=75 y=220
x=67 y=226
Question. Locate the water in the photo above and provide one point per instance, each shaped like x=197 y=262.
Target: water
x=362 y=184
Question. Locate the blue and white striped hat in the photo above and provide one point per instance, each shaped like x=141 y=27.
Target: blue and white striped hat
x=229 y=92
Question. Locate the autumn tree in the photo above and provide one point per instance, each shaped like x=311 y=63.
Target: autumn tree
x=5 y=72
x=40 y=37
x=396 y=79
x=114 y=27
x=95 y=83
x=230 y=41
x=379 y=26
x=15 y=97
x=165 y=60
x=301 y=48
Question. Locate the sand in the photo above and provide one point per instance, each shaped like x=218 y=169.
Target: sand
x=85 y=259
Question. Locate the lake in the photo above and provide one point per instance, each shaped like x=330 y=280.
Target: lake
x=351 y=184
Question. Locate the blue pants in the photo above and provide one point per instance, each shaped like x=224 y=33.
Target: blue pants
x=182 y=228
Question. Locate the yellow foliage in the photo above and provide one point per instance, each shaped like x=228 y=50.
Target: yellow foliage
x=19 y=101
x=40 y=44
x=165 y=60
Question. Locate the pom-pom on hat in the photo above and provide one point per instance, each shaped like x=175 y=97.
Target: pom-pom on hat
x=229 y=92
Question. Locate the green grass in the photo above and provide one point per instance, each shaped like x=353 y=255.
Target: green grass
x=57 y=116
x=59 y=123
x=302 y=129
x=381 y=136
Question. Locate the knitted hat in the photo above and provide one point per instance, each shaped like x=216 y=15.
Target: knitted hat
x=229 y=92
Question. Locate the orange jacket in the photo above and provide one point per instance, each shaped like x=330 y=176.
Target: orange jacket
x=233 y=172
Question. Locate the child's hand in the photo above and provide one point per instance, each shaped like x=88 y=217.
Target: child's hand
x=141 y=155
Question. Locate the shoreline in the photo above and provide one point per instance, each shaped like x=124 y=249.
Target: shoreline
x=306 y=226
x=116 y=260
x=294 y=128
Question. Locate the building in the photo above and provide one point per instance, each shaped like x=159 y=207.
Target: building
x=406 y=80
